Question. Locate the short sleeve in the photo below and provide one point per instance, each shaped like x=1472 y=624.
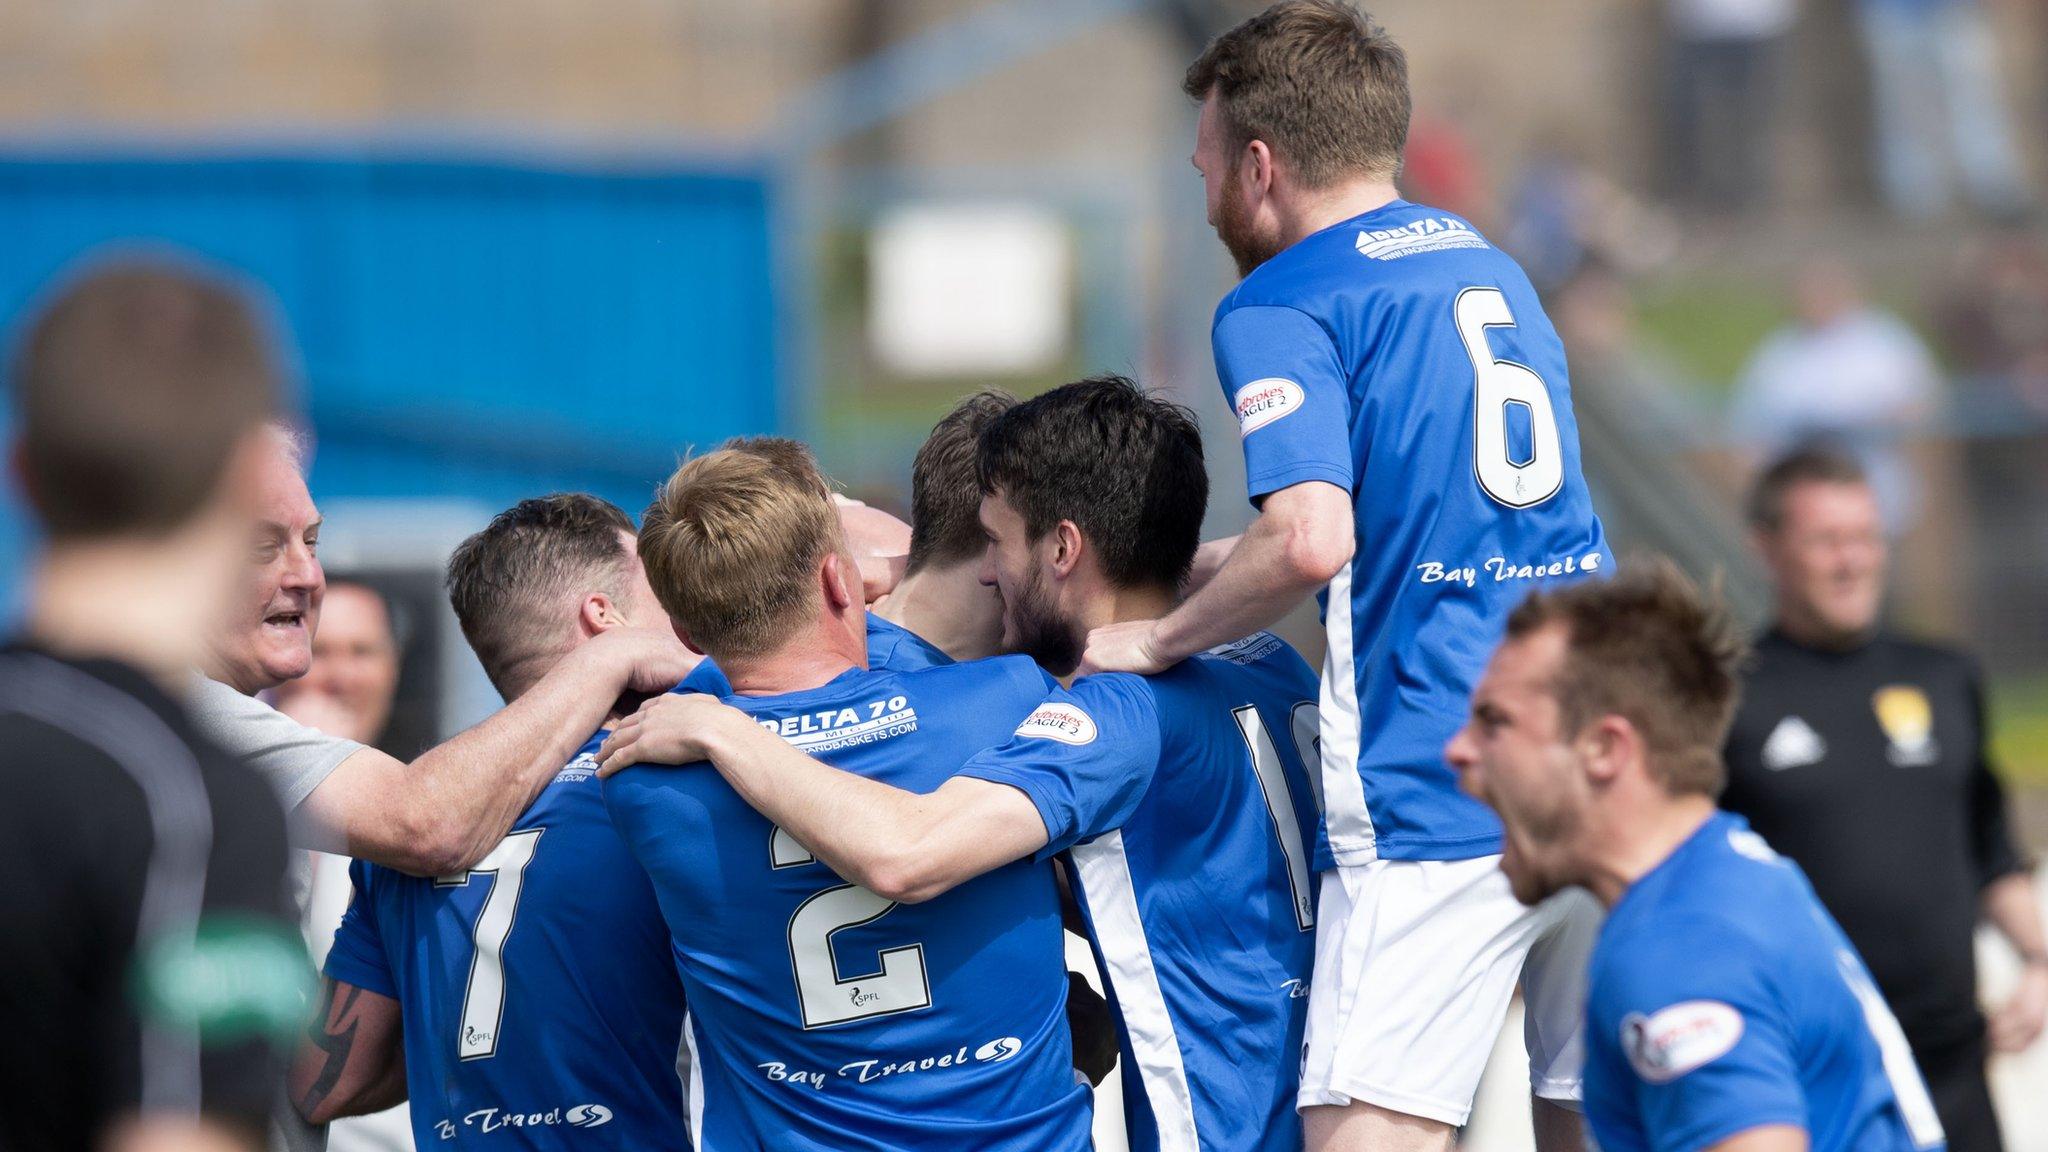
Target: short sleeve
x=294 y=758
x=358 y=954
x=1290 y=392
x=1705 y=1050
x=1085 y=757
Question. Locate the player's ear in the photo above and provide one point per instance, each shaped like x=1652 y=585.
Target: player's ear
x=1066 y=548
x=1255 y=168
x=598 y=614
x=1607 y=745
x=833 y=575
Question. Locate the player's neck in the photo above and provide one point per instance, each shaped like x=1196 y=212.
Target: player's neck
x=1112 y=605
x=122 y=601
x=1317 y=210
x=1633 y=847
x=948 y=608
x=812 y=658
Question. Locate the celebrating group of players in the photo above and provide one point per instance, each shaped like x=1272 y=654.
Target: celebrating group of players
x=813 y=897
x=823 y=878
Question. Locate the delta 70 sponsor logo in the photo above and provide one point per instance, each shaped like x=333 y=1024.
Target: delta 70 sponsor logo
x=867 y=722
x=868 y=1071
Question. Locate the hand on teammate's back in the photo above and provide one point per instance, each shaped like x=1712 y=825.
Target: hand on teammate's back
x=1125 y=647
x=669 y=729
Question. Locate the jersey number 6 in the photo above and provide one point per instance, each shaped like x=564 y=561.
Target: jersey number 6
x=1496 y=385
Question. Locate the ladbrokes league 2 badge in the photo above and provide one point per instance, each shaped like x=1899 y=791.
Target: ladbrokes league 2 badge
x=1908 y=722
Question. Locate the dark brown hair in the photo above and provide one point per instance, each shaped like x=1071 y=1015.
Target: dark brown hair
x=509 y=583
x=1649 y=647
x=945 y=487
x=1319 y=82
x=131 y=390
x=1811 y=464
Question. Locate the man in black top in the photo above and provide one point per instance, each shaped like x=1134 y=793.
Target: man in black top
x=1861 y=755
x=147 y=959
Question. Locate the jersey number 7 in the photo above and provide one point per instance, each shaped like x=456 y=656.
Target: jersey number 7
x=483 y=999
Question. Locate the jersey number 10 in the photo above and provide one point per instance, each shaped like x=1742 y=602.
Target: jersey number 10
x=1498 y=385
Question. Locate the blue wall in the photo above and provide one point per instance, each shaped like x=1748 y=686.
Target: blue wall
x=473 y=330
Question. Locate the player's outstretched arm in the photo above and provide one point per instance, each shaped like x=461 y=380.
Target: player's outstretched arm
x=902 y=846
x=352 y=1058
x=1301 y=538
x=446 y=810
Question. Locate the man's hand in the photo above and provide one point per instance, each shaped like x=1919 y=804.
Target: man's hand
x=1131 y=646
x=880 y=544
x=2017 y=1023
x=650 y=659
x=669 y=729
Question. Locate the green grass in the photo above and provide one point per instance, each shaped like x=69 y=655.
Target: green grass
x=2019 y=729
x=1709 y=323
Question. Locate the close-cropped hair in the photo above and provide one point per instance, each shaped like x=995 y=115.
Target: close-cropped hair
x=945 y=490
x=1319 y=82
x=512 y=583
x=732 y=543
x=131 y=389
x=1125 y=467
x=1650 y=647
x=1810 y=464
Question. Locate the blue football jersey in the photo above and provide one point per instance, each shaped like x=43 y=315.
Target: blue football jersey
x=891 y=648
x=1188 y=812
x=1403 y=358
x=825 y=1017
x=540 y=998
x=1723 y=997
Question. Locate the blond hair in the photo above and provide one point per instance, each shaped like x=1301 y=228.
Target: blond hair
x=733 y=541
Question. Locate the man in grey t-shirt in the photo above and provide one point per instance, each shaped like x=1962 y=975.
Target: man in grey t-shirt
x=446 y=810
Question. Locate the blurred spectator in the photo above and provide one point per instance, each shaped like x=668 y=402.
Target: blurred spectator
x=1935 y=99
x=1992 y=324
x=1721 y=104
x=1562 y=212
x=348 y=692
x=1845 y=372
x=1440 y=168
x=1613 y=367
x=141 y=861
x=1864 y=756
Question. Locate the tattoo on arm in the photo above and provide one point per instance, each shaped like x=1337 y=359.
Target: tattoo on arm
x=334 y=1044
x=352 y=1059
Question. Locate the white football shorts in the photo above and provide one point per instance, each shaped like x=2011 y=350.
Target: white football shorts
x=1416 y=962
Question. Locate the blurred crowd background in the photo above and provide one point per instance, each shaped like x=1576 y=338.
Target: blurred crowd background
x=538 y=244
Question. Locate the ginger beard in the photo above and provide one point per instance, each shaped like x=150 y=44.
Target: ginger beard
x=1239 y=233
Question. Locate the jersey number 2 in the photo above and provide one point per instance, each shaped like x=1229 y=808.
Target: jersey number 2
x=1496 y=386
x=825 y=996
x=483 y=1000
